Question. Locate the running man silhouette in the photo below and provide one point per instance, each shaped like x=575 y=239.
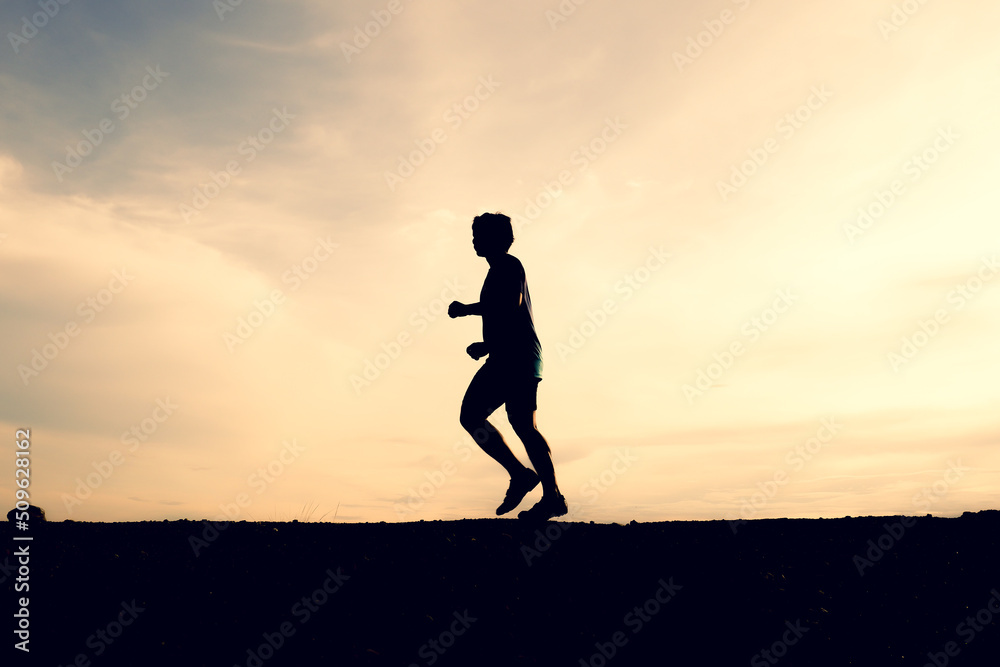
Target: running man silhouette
x=511 y=373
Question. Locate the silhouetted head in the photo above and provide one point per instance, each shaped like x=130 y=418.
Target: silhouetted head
x=492 y=234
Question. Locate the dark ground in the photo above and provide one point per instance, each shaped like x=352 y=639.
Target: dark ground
x=399 y=587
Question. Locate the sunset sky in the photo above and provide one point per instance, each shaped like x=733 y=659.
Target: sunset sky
x=761 y=240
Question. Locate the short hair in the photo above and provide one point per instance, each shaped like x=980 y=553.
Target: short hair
x=496 y=227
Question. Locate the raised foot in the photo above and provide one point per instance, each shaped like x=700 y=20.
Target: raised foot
x=517 y=490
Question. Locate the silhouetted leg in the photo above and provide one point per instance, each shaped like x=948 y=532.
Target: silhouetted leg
x=491 y=442
x=521 y=413
x=526 y=428
x=482 y=398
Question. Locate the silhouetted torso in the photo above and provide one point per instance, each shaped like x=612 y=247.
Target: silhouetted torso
x=508 y=325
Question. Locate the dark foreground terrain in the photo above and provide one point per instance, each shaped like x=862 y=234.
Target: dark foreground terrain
x=856 y=591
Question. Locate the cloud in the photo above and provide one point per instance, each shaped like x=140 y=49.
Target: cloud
x=280 y=141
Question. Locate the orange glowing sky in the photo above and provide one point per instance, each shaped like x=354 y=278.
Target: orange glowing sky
x=761 y=241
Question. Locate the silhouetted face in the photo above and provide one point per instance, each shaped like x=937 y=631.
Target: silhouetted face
x=484 y=244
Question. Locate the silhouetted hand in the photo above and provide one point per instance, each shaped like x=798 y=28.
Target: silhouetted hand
x=477 y=350
x=457 y=309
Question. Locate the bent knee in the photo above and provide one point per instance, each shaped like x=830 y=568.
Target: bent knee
x=522 y=425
